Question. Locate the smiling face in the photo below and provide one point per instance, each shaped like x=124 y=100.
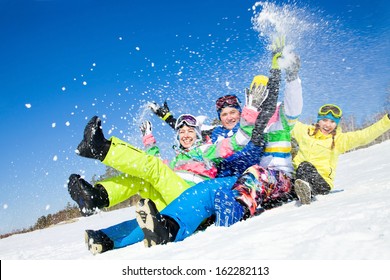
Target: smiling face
x=230 y=117
x=187 y=136
x=327 y=126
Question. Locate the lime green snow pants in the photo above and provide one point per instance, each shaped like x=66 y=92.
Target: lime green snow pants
x=143 y=174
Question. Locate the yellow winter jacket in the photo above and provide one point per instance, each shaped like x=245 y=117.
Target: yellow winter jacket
x=317 y=150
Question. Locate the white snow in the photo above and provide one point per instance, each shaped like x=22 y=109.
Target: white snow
x=352 y=224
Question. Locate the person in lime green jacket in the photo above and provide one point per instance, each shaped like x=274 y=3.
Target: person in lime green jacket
x=320 y=146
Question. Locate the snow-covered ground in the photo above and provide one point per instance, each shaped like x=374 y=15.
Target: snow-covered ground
x=353 y=223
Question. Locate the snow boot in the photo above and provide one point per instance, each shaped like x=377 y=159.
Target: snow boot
x=98 y=242
x=158 y=229
x=94 y=145
x=303 y=191
x=87 y=197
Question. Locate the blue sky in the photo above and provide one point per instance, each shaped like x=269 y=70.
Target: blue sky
x=61 y=62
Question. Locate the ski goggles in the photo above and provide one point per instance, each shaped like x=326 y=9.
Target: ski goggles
x=227 y=100
x=187 y=119
x=330 y=109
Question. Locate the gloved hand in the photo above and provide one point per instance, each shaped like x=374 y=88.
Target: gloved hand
x=162 y=112
x=277 y=49
x=293 y=69
x=146 y=128
x=258 y=91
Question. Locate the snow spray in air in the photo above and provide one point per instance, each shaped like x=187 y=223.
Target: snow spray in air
x=273 y=21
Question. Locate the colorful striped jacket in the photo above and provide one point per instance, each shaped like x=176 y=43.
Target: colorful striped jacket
x=277 y=150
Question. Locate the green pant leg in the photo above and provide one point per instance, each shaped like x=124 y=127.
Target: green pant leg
x=122 y=187
x=134 y=162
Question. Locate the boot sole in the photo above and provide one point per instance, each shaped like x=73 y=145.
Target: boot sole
x=146 y=218
x=303 y=191
x=77 y=194
x=83 y=147
x=92 y=247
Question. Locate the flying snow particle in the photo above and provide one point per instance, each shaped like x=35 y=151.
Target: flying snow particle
x=55 y=158
x=84 y=83
x=47 y=207
x=53 y=125
x=67 y=123
x=120 y=38
x=28 y=106
x=63 y=88
x=5 y=206
x=137 y=48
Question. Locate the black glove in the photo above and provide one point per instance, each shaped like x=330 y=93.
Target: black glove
x=162 y=112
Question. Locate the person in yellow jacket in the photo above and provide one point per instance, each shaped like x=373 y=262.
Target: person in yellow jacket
x=320 y=146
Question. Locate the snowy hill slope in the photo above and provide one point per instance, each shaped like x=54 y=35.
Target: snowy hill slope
x=353 y=224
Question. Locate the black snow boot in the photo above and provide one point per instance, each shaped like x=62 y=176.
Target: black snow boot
x=87 y=197
x=157 y=228
x=98 y=242
x=94 y=145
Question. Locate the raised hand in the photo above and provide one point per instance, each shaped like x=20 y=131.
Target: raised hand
x=257 y=92
x=146 y=128
x=163 y=112
x=277 y=49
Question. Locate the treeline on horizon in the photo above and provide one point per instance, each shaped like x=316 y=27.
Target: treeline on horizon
x=72 y=212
